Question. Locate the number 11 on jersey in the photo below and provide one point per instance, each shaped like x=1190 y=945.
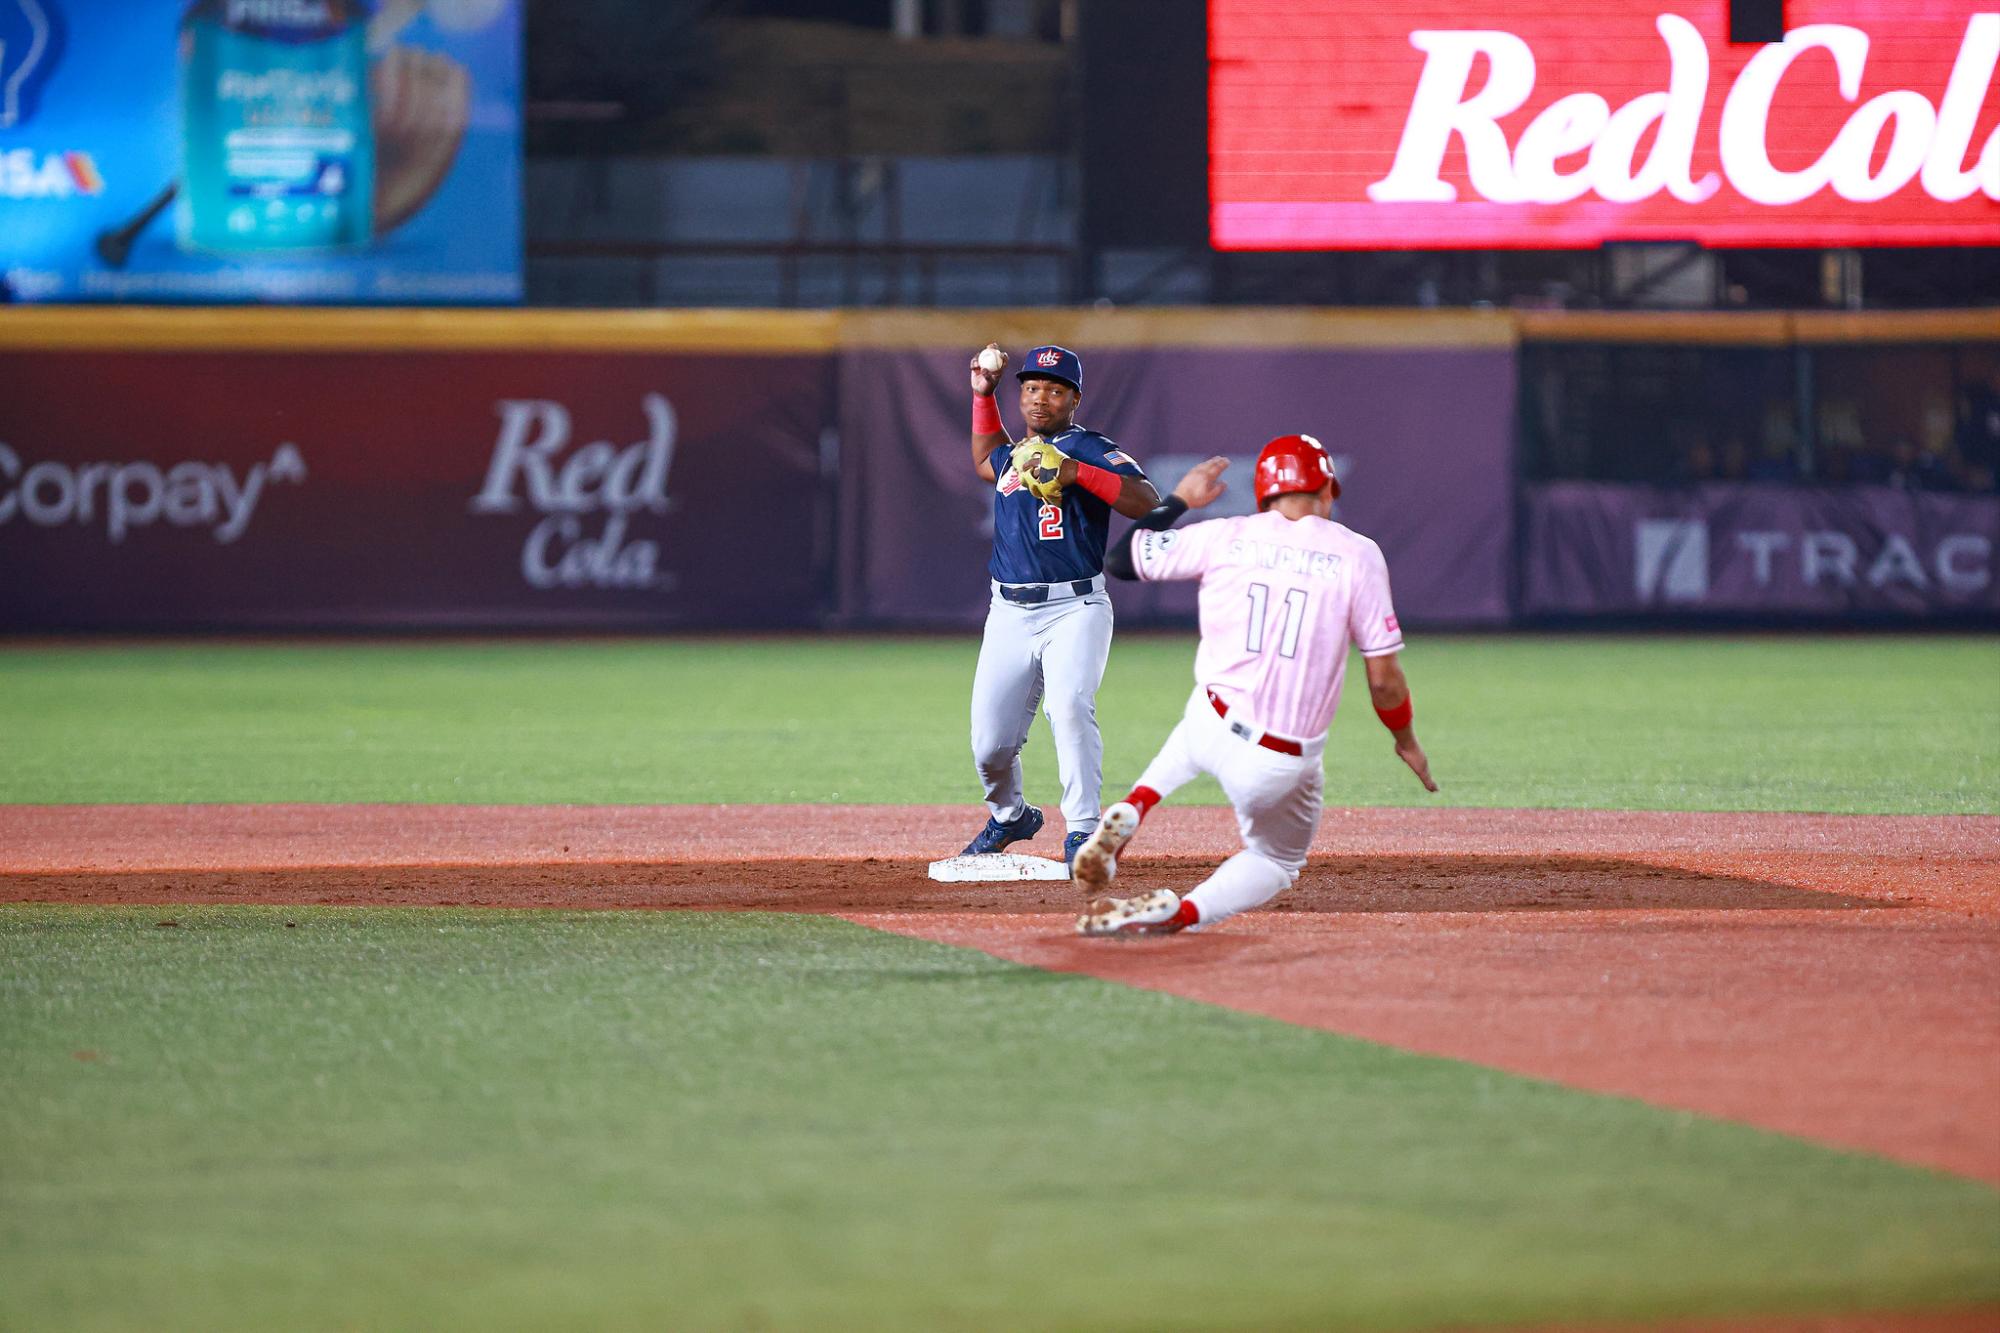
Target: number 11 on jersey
x=1295 y=614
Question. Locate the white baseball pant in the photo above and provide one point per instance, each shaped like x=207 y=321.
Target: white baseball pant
x=1277 y=798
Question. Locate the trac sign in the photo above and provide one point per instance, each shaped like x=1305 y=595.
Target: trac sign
x=1336 y=124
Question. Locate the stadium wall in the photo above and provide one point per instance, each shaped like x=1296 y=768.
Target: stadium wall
x=245 y=469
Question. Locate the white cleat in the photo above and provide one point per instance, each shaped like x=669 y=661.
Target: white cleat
x=1148 y=914
x=1096 y=861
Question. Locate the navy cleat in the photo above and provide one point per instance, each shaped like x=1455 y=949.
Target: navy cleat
x=1070 y=844
x=997 y=837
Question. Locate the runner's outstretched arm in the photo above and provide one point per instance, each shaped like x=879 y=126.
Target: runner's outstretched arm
x=1201 y=486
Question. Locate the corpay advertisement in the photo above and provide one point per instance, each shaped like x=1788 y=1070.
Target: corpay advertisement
x=298 y=151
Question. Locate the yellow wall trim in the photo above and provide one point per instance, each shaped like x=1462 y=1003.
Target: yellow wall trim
x=1761 y=328
x=290 y=329
x=806 y=332
x=1734 y=328
x=1087 y=329
x=1897 y=326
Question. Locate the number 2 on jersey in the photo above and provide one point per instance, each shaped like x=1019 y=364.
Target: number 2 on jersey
x=1295 y=614
x=1051 y=529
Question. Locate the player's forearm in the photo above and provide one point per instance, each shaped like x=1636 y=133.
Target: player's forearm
x=989 y=433
x=1390 y=695
x=1388 y=687
x=1137 y=497
x=1389 y=692
x=1161 y=516
x=1118 y=561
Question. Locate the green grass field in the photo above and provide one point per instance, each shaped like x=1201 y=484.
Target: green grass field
x=428 y=1118
x=1858 y=724
x=745 y=1121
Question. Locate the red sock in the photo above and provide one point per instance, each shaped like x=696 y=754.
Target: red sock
x=1145 y=798
x=1188 y=915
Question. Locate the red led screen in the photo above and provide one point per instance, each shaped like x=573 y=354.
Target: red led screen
x=1418 y=124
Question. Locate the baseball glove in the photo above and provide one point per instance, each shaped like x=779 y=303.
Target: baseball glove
x=1039 y=464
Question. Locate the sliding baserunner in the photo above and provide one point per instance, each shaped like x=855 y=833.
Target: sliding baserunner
x=1283 y=593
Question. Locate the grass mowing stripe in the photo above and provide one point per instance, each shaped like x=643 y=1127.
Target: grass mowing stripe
x=1863 y=725
x=430 y=1118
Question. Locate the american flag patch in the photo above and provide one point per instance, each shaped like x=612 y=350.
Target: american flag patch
x=1119 y=456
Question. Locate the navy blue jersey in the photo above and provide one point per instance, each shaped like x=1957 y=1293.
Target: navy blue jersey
x=1038 y=543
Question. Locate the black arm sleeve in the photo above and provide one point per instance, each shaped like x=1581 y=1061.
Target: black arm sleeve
x=1118 y=560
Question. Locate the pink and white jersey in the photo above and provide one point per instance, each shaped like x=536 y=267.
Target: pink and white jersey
x=1280 y=601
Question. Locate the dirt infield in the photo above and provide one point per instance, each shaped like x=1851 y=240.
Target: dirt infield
x=1834 y=977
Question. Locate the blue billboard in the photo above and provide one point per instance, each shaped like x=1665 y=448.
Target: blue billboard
x=323 y=151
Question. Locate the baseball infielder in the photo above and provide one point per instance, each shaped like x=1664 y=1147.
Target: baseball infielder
x=1048 y=628
x=1283 y=593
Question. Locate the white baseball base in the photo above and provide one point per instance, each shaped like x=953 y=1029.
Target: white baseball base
x=997 y=866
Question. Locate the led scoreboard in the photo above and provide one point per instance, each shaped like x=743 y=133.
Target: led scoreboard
x=1425 y=124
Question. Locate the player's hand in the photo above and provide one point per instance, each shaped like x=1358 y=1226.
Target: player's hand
x=1412 y=754
x=984 y=382
x=1040 y=465
x=1203 y=484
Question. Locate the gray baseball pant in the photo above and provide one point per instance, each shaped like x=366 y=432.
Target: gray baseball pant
x=1051 y=654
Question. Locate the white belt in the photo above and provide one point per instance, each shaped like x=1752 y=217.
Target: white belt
x=1038 y=594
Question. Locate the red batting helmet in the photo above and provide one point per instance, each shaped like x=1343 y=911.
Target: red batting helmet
x=1293 y=463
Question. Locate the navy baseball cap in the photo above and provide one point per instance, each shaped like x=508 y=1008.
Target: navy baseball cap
x=1053 y=363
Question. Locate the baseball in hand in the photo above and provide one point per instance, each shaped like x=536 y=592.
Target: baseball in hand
x=992 y=359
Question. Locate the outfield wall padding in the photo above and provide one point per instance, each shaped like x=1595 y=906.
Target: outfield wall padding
x=781 y=487
x=153 y=490
x=1763 y=550
x=1421 y=437
x=248 y=469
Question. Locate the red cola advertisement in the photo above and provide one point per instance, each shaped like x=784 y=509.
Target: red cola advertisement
x=1410 y=125
x=247 y=490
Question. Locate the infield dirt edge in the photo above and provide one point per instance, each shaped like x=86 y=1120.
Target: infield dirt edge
x=1606 y=951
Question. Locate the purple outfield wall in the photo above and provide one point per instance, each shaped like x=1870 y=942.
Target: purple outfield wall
x=162 y=469
x=1422 y=437
x=156 y=490
x=1600 y=549
x=156 y=487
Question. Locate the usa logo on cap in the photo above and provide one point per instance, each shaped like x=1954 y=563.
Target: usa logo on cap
x=1054 y=363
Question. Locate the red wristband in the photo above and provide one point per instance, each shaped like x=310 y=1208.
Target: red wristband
x=1103 y=484
x=1395 y=719
x=985 y=415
